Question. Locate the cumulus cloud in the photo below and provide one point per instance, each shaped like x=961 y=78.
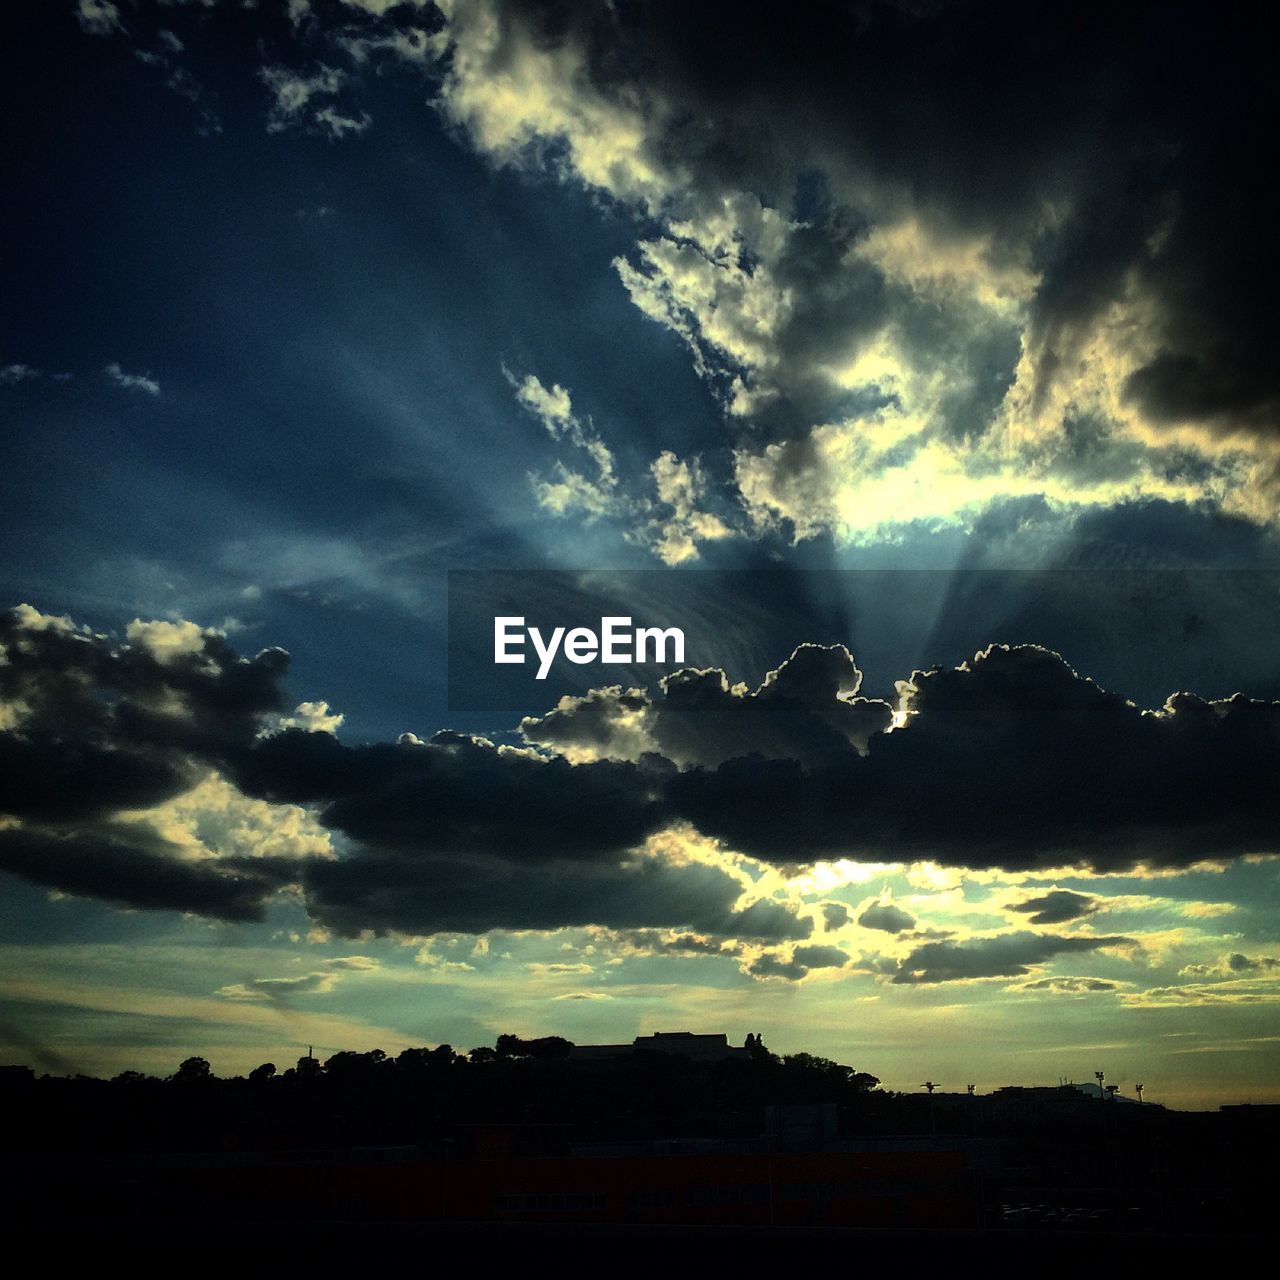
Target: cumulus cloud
x=423 y=894
x=12 y=374
x=1048 y=289
x=805 y=709
x=168 y=641
x=986 y=767
x=835 y=915
x=769 y=965
x=1004 y=956
x=667 y=942
x=680 y=525
x=160 y=771
x=1051 y=292
x=119 y=761
x=885 y=914
x=95 y=727
x=131 y=867
x=799 y=963
x=1236 y=964
x=91 y=731
x=215 y=820
x=313 y=717
x=820 y=957
x=1058 y=906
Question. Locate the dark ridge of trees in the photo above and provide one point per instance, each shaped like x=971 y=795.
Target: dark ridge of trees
x=522 y=1098
x=538 y=1100
x=422 y=1096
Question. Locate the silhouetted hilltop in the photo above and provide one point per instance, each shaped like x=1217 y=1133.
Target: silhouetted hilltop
x=1019 y=1156
x=423 y=1095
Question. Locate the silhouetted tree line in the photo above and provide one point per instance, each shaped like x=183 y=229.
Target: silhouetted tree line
x=423 y=1096
x=1055 y=1146
x=442 y=1102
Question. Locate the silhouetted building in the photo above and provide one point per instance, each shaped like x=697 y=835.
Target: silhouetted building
x=685 y=1044
x=1029 y=1103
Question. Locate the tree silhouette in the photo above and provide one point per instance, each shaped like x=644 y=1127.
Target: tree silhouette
x=546 y=1047
x=193 y=1070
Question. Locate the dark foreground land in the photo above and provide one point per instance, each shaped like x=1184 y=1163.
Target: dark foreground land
x=526 y=1151
x=659 y=1251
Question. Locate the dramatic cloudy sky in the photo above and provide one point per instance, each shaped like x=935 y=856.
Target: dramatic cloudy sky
x=951 y=322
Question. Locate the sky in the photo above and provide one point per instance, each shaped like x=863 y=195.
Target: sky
x=919 y=356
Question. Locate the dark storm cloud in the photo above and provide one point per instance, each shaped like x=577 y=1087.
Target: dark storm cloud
x=835 y=914
x=1011 y=761
x=805 y=708
x=454 y=833
x=1120 y=146
x=99 y=726
x=1155 y=534
x=1238 y=962
x=419 y=895
x=132 y=868
x=821 y=957
x=802 y=961
x=94 y=726
x=692 y=944
x=888 y=917
x=771 y=966
x=1009 y=956
x=53 y=779
x=1014 y=761
x=458 y=795
x=989 y=771
x=1056 y=907
x=451 y=834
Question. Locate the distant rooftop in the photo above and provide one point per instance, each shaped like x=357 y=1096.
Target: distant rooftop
x=689 y=1044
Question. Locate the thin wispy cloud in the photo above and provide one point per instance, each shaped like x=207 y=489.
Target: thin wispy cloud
x=131 y=381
